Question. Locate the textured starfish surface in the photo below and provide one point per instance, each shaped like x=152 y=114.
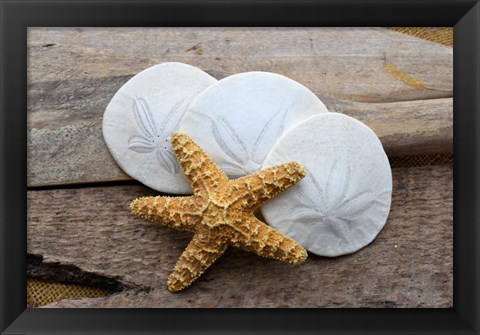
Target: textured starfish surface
x=220 y=212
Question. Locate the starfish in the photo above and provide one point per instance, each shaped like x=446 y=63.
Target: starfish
x=220 y=212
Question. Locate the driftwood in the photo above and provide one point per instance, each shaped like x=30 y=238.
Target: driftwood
x=74 y=72
x=72 y=154
x=399 y=85
x=409 y=264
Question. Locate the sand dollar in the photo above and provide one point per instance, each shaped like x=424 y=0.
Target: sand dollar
x=140 y=118
x=344 y=200
x=238 y=119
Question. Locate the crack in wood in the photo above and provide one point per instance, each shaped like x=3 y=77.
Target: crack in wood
x=71 y=274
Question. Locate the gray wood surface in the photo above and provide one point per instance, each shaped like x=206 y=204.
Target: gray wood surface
x=77 y=153
x=399 y=85
x=409 y=264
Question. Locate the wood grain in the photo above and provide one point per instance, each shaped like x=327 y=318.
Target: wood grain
x=399 y=85
x=78 y=154
x=409 y=264
x=74 y=72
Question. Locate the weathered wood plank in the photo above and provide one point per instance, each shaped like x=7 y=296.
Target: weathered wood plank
x=407 y=127
x=77 y=153
x=74 y=72
x=409 y=264
x=70 y=154
x=369 y=73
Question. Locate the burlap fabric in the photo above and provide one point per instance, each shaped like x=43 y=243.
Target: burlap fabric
x=442 y=35
x=40 y=293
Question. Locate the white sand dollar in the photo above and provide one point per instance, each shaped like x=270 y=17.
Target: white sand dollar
x=238 y=119
x=344 y=200
x=140 y=118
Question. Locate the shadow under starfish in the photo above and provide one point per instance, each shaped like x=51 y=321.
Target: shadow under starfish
x=221 y=212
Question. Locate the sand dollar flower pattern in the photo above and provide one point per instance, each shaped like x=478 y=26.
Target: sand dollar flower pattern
x=334 y=204
x=243 y=159
x=240 y=118
x=142 y=115
x=153 y=140
x=344 y=200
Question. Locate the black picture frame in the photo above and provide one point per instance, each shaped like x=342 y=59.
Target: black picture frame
x=16 y=16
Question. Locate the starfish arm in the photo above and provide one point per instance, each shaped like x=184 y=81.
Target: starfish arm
x=175 y=212
x=204 y=175
x=256 y=189
x=203 y=251
x=254 y=235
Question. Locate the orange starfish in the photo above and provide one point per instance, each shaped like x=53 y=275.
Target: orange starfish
x=220 y=212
